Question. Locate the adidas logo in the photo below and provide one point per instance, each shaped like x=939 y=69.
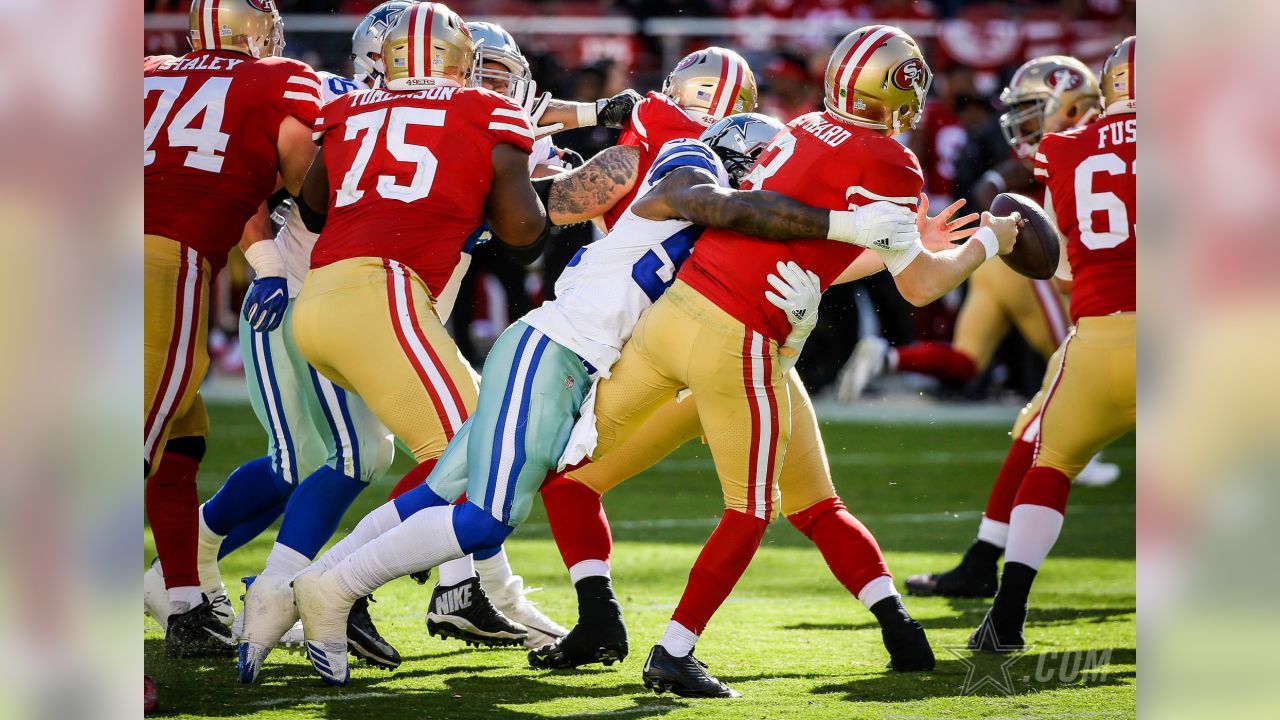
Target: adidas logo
x=882 y=242
x=451 y=601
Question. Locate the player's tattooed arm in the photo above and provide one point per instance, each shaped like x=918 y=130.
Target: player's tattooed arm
x=695 y=196
x=591 y=190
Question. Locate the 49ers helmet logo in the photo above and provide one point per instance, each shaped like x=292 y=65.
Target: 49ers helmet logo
x=909 y=74
x=1063 y=79
x=687 y=61
x=264 y=5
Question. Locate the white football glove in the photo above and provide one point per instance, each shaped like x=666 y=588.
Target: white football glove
x=799 y=293
x=536 y=106
x=879 y=226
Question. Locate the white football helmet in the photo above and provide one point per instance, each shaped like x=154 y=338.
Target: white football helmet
x=366 y=42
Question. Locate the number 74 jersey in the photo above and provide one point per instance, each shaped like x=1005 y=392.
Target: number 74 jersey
x=1091 y=176
x=212 y=121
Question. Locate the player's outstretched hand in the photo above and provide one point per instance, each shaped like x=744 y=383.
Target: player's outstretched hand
x=880 y=225
x=612 y=113
x=940 y=232
x=265 y=303
x=536 y=106
x=1005 y=229
x=799 y=292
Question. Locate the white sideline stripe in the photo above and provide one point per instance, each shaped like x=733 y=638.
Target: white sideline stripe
x=326 y=698
x=303 y=96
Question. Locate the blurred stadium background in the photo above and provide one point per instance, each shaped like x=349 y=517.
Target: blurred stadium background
x=584 y=50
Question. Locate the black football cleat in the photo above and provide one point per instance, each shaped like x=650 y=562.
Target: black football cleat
x=599 y=637
x=198 y=632
x=974 y=577
x=364 y=640
x=464 y=612
x=998 y=636
x=909 y=649
x=684 y=676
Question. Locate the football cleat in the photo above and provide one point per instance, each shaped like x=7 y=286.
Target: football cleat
x=512 y=601
x=155 y=598
x=198 y=633
x=909 y=649
x=867 y=362
x=600 y=635
x=269 y=614
x=463 y=611
x=322 y=605
x=975 y=576
x=1000 y=635
x=1098 y=473
x=685 y=676
x=364 y=640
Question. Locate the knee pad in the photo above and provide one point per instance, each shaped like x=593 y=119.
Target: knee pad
x=477 y=529
x=190 y=447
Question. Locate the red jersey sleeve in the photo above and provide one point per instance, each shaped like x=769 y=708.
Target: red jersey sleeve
x=508 y=123
x=299 y=88
x=894 y=176
x=332 y=115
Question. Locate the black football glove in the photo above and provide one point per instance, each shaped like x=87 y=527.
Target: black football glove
x=612 y=113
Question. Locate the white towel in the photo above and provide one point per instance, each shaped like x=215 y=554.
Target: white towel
x=583 y=437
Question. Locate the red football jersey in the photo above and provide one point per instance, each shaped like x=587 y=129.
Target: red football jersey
x=820 y=161
x=409 y=173
x=212 y=123
x=653 y=122
x=1091 y=176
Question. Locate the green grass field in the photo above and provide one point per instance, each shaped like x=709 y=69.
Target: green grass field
x=790 y=638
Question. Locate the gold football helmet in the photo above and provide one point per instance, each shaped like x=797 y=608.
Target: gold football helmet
x=252 y=27
x=1046 y=95
x=877 y=78
x=712 y=83
x=1120 y=74
x=428 y=41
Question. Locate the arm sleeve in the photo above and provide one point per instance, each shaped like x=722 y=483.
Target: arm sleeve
x=302 y=92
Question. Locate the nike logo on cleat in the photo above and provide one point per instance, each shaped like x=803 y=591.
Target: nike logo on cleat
x=451 y=601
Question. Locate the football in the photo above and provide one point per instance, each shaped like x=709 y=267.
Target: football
x=1036 y=252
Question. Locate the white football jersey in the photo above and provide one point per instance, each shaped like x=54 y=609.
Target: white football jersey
x=609 y=283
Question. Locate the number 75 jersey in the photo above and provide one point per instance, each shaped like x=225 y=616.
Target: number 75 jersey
x=1091 y=176
x=212 y=122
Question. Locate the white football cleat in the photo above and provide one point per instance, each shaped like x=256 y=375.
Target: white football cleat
x=155 y=598
x=269 y=612
x=511 y=600
x=1098 y=473
x=867 y=362
x=324 y=610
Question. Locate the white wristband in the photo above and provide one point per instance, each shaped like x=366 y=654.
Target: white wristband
x=988 y=240
x=265 y=259
x=587 y=114
x=840 y=226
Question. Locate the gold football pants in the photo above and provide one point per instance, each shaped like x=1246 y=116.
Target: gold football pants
x=743 y=403
x=1000 y=298
x=368 y=325
x=174 y=344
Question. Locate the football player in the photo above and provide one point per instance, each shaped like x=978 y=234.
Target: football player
x=1090 y=178
x=540 y=372
x=222 y=122
x=1046 y=95
x=712 y=334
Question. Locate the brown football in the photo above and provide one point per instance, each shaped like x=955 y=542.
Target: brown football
x=1035 y=254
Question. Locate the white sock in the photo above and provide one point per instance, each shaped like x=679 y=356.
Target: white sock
x=422 y=542
x=182 y=599
x=457 y=571
x=494 y=572
x=994 y=532
x=384 y=518
x=207 y=547
x=589 y=568
x=284 y=560
x=678 y=639
x=1033 y=529
x=877 y=590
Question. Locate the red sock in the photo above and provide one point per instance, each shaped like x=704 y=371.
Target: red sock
x=1042 y=486
x=722 y=561
x=412 y=479
x=937 y=359
x=577 y=519
x=172 y=507
x=845 y=543
x=1015 y=467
